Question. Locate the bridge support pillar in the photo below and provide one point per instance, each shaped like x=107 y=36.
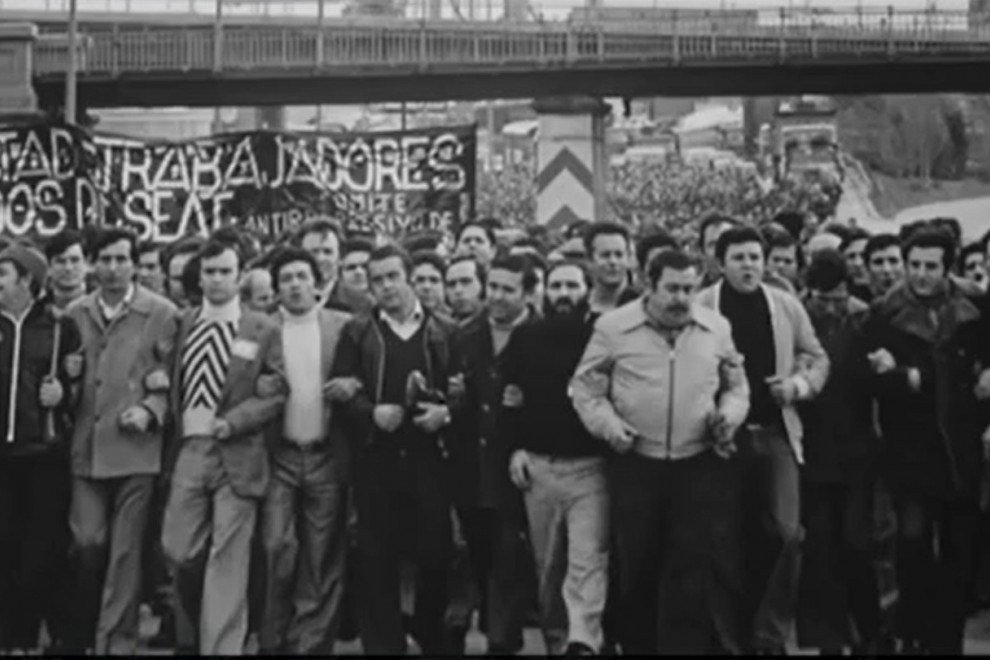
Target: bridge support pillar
x=571 y=160
x=17 y=95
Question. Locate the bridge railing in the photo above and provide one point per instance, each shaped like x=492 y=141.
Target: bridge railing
x=129 y=48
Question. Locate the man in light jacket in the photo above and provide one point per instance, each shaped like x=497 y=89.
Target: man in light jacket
x=785 y=363
x=128 y=337
x=662 y=383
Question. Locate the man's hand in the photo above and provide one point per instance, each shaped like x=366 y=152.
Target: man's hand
x=388 y=417
x=341 y=390
x=156 y=381
x=881 y=361
x=982 y=389
x=519 y=469
x=221 y=429
x=914 y=379
x=512 y=397
x=432 y=417
x=51 y=392
x=269 y=385
x=136 y=419
x=725 y=445
x=783 y=390
x=456 y=387
x=622 y=438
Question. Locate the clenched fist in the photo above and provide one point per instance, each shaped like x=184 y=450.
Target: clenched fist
x=51 y=392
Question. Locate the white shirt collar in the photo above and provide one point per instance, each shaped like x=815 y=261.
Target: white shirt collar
x=511 y=326
x=416 y=317
x=111 y=312
x=229 y=312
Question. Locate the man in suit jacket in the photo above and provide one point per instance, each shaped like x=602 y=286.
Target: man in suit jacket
x=226 y=386
x=128 y=335
x=785 y=363
x=304 y=515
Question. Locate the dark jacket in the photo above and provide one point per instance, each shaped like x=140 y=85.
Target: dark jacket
x=931 y=438
x=25 y=360
x=361 y=354
x=479 y=456
x=540 y=360
x=839 y=437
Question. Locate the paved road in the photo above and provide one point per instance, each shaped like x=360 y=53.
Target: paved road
x=977 y=640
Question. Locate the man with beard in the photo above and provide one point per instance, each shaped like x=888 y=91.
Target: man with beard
x=561 y=474
x=662 y=383
x=838 y=581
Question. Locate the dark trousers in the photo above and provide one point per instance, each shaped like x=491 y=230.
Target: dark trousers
x=108 y=518
x=772 y=534
x=403 y=512
x=502 y=562
x=676 y=531
x=34 y=545
x=936 y=556
x=838 y=579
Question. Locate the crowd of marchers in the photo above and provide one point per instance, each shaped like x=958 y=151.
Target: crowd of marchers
x=637 y=445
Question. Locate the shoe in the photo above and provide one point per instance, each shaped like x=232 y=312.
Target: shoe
x=579 y=648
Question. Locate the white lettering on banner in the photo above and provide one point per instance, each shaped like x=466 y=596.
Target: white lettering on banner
x=54 y=176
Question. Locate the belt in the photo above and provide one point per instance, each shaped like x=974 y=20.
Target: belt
x=306 y=448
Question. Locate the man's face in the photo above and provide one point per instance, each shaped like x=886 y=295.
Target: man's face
x=566 y=289
x=710 y=240
x=474 y=241
x=504 y=295
x=150 y=274
x=390 y=284
x=114 y=267
x=297 y=287
x=354 y=271
x=832 y=304
x=925 y=272
x=68 y=270
x=610 y=256
x=262 y=297
x=783 y=262
x=427 y=282
x=886 y=268
x=218 y=277
x=463 y=288
x=671 y=298
x=175 y=267
x=13 y=287
x=326 y=249
x=743 y=266
x=855 y=261
x=975 y=269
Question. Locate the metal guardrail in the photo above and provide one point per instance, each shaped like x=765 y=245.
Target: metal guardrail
x=431 y=44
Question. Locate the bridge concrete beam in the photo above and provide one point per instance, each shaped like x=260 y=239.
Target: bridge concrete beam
x=17 y=95
x=571 y=159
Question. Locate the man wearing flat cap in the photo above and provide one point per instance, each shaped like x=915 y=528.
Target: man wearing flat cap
x=38 y=363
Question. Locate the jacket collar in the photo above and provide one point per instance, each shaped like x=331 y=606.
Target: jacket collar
x=906 y=312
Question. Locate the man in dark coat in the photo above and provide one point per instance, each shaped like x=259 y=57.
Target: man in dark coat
x=398 y=454
x=838 y=582
x=489 y=507
x=923 y=346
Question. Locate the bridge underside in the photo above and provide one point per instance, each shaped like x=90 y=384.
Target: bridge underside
x=408 y=84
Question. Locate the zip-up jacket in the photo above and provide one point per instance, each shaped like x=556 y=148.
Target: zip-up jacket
x=361 y=354
x=632 y=373
x=26 y=346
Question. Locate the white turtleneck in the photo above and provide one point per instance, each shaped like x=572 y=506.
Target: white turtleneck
x=303 y=420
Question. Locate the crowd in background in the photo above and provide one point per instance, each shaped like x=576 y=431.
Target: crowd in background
x=674 y=195
x=690 y=439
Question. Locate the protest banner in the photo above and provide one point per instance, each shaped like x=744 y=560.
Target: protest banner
x=53 y=176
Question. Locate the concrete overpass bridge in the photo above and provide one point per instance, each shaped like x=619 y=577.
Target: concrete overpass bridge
x=287 y=60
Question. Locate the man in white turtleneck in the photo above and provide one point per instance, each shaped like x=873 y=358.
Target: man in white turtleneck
x=305 y=506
